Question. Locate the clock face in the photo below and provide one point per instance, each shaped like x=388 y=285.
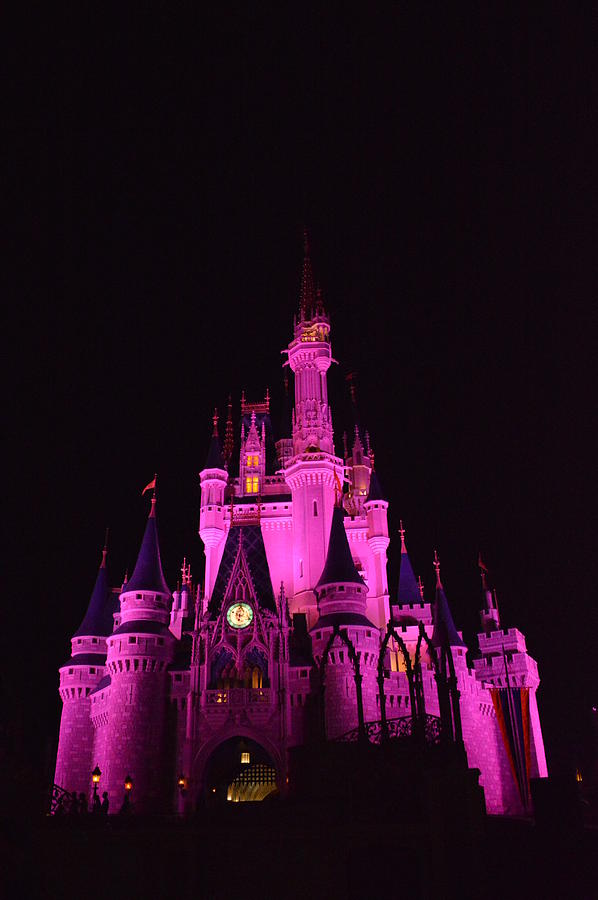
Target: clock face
x=239 y=615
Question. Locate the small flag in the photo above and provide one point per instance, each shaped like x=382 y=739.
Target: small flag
x=337 y=484
x=149 y=487
x=481 y=564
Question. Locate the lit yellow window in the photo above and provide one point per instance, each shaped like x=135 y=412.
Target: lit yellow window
x=245 y=757
x=251 y=484
x=252 y=462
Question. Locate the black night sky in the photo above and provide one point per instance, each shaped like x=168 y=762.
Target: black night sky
x=164 y=165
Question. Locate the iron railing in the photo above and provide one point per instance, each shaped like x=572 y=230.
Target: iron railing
x=401 y=728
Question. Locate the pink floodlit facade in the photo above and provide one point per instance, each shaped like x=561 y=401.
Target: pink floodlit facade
x=176 y=675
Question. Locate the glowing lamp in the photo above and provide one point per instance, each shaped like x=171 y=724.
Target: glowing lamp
x=182 y=782
x=128 y=783
x=95 y=777
x=578 y=776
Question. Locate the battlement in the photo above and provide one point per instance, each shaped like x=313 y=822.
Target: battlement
x=510 y=639
x=422 y=612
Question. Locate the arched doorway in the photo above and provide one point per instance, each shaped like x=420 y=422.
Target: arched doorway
x=239 y=770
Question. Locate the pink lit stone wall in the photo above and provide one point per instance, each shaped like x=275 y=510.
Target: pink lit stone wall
x=75 y=742
x=135 y=739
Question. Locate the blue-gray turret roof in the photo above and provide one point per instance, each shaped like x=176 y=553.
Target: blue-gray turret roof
x=375 y=492
x=339 y=567
x=445 y=634
x=215 y=458
x=98 y=621
x=148 y=574
x=255 y=555
x=408 y=587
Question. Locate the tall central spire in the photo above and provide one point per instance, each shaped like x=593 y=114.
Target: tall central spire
x=307 y=295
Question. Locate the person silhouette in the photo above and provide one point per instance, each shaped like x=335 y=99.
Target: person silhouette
x=73 y=805
x=96 y=804
x=126 y=807
x=105 y=803
x=83 y=807
x=59 y=808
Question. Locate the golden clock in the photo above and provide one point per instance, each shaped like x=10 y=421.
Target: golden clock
x=239 y=615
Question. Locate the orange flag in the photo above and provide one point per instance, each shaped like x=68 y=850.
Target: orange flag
x=149 y=487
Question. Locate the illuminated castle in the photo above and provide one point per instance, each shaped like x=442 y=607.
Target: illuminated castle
x=293 y=636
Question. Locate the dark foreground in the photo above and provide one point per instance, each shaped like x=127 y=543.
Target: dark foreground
x=280 y=850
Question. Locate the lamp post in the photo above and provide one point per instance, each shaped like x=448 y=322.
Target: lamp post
x=182 y=786
x=125 y=808
x=95 y=777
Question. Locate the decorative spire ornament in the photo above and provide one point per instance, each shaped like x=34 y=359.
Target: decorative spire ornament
x=437 y=569
x=402 y=533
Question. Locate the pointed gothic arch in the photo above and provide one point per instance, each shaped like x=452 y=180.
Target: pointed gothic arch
x=357 y=676
x=392 y=632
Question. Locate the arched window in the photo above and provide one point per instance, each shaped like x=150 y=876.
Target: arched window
x=315 y=508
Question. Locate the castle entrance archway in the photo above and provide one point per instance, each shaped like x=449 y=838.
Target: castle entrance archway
x=239 y=770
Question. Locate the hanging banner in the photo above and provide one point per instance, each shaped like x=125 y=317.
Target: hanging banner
x=511 y=706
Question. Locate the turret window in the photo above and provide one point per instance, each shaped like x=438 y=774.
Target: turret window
x=252 y=484
x=252 y=462
x=315 y=508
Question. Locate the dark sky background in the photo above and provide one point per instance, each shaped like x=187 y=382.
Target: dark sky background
x=164 y=165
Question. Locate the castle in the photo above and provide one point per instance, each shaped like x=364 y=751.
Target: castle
x=293 y=635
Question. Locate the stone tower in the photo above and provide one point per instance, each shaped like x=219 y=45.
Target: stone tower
x=313 y=469
x=78 y=678
x=342 y=605
x=139 y=652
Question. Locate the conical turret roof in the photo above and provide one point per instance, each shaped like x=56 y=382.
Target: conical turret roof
x=215 y=458
x=98 y=621
x=148 y=574
x=339 y=567
x=409 y=592
x=445 y=634
x=375 y=492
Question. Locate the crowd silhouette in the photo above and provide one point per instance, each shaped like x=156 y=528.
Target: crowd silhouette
x=73 y=807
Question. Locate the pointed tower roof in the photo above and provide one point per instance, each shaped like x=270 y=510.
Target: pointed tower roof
x=375 y=492
x=409 y=592
x=445 y=634
x=148 y=574
x=215 y=459
x=339 y=567
x=248 y=540
x=98 y=621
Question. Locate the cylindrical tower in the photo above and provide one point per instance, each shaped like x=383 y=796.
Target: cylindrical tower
x=351 y=666
x=78 y=677
x=313 y=471
x=139 y=652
